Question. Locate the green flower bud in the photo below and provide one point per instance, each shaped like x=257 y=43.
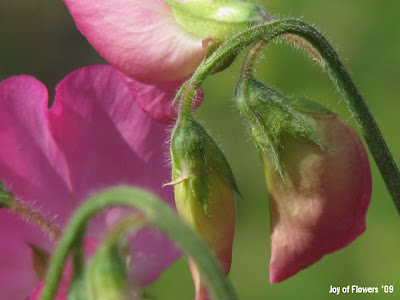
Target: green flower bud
x=106 y=274
x=216 y=19
x=272 y=117
x=204 y=189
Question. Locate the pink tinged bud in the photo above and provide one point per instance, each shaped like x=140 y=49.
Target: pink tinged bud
x=218 y=226
x=322 y=204
x=317 y=173
x=204 y=194
x=217 y=229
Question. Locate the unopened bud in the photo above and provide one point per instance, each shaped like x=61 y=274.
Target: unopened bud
x=204 y=193
x=317 y=173
x=216 y=19
x=106 y=275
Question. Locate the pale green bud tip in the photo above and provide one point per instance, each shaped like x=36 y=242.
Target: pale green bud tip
x=217 y=19
x=106 y=275
x=197 y=160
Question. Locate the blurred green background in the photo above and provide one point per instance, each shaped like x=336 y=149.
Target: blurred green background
x=39 y=38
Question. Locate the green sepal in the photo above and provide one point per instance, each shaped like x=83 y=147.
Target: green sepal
x=6 y=197
x=196 y=155
x=307 y=106
x=40 y=260
x=217 y=19
x=272 y=116
x=106 y=273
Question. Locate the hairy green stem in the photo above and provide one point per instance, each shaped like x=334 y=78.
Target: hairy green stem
x=156 y=214
x=337 y=73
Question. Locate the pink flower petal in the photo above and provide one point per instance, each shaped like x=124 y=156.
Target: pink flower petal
x=140 y=37
x=109 y=142
x=95 y=136
x=31 y=164
x=156 y=99
x=17 y=280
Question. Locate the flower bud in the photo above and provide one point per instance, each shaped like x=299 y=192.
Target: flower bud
x=106 y=275
x=204 y=193
x=216 y=19
x=319 y=180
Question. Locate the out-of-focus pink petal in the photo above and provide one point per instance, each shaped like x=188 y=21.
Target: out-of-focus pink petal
x=146 y=263
x=140 y=37
x=108 y=140
x=322 y=206
x=16 y=279
x=62 y=293
x=95 y=136
x=89 y=249
x=156 y=98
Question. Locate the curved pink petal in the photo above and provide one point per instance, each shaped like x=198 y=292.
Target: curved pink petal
x=31 y=164
x=322 y=206
x=93 y=137
x=140 y=37
x=156 y=98
x=132 y=151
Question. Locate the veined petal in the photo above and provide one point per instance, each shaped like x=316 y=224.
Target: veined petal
x=140 y=37
x=156 y=98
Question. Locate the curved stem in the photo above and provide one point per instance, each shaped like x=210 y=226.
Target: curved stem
x=338 y=75
x=156 y=214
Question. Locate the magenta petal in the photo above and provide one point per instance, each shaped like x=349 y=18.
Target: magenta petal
x=17 y=277
x=156 y=98
x=31 y=164
x=108 y=140
x=95 y=136
x=140 y=37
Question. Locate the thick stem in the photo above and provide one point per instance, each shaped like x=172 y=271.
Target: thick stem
x=156 y=214
x=337 y=73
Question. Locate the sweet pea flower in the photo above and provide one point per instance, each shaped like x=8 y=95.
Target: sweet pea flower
x=156 y=44
x=94 y=136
